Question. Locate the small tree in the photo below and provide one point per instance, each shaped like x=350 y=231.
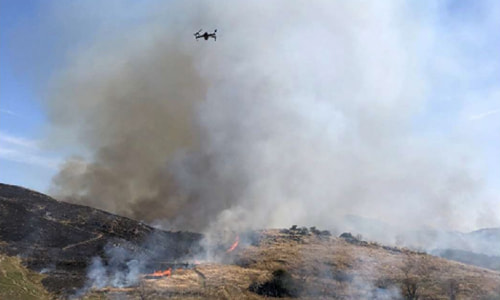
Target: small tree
x=416 y=272
x=410 y=288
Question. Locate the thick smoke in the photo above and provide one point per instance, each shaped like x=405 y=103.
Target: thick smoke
x=135 y=110
x=299 y=113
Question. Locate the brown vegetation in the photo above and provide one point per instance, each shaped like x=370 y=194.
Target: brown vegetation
x=309 y=266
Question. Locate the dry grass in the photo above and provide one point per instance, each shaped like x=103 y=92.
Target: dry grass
x=328 y=268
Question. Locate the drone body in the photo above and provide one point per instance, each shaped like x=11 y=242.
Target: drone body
x=206 y=35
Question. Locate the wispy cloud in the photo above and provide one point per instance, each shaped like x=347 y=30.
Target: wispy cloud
x=24 y=157
x=484 y=115
x=22 y=150
x=6 y=138
x=9 y=112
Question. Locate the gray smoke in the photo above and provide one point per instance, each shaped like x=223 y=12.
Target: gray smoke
x=121 y=268
x=299 y=113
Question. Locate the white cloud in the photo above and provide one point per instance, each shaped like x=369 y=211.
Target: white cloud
x=22 y=150
x=8 y=139
x=484 y=115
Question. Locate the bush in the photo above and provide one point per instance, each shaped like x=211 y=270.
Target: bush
x=282 y=284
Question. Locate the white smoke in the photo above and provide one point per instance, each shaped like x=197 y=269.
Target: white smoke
x=120 y=268
x=299 y=113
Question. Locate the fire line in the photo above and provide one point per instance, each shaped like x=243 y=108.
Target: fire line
x=234 y=245
x=166 y=273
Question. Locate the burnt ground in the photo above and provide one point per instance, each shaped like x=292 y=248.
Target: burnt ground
x=60 y=239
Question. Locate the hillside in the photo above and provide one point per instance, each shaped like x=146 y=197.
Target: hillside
x=479 y=248
x=92 y=254
x=61 y=238
x=290 y=264
x=471 y=258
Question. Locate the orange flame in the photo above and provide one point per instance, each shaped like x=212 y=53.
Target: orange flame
x=166 y=273
x=234 y=245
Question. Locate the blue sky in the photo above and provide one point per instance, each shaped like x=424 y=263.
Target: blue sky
x=39 y=37
x=22 y=161
x=35 y=39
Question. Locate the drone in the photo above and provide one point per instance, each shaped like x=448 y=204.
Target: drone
x=205 y=35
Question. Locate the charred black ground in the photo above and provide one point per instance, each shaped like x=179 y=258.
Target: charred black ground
x=61 y=238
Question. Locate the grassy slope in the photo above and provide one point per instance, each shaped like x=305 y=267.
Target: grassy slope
x=17 y=282
x=328 y=268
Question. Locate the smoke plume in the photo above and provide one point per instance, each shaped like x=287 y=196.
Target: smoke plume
x=298 y=113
